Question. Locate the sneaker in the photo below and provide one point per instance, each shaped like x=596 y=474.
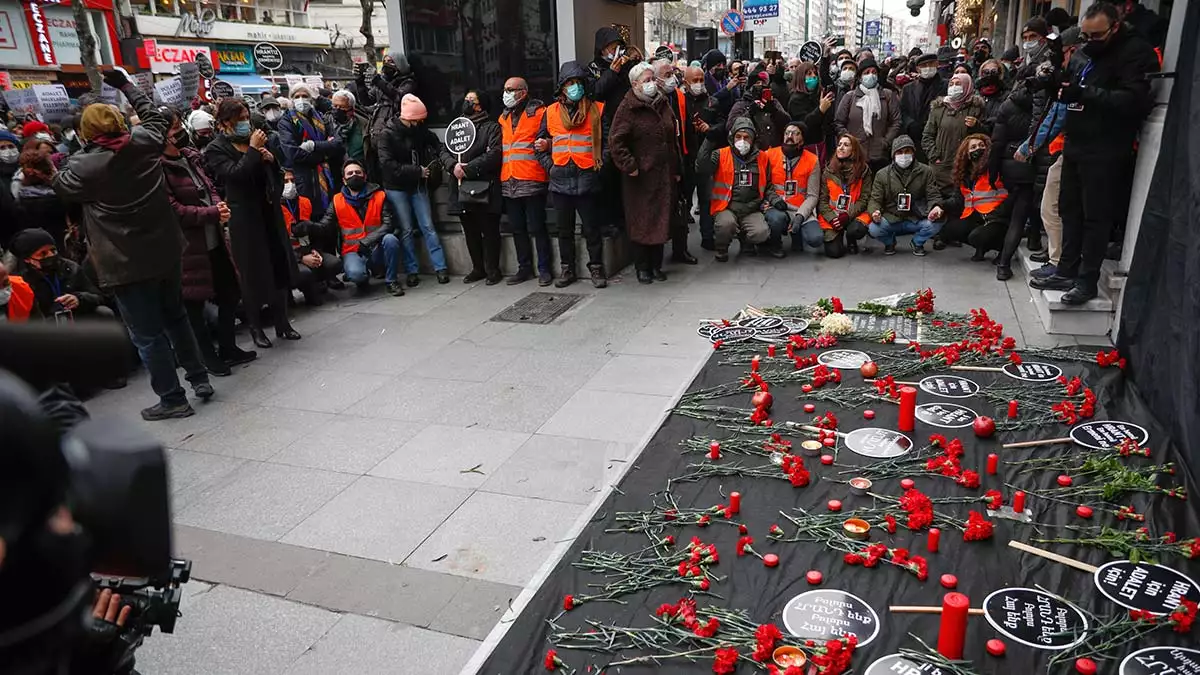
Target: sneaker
x=566 y=278
x=414 y=280
x=519 y=278
x=1040 y=257
x=889 y=249
x=644 y=277
x=545 y=279
x=396 y=288
x=443 y=277
x=1053 y=283
x=1003 y=272
x=203 y=391
x=474 y=276
x=216 y=366
x=335 y=284
x=1045 y=271
x=778 y=252
x=659 y=275
x=160 y=412
x=917 y=249
x=598 y=278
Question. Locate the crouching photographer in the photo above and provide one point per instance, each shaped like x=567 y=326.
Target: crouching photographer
x=85 y=527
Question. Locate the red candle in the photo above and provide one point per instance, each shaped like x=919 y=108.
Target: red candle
x=827 y=459
x=735 y=502
x=1083 y=511
x=868 y=414
x=1019 y=502
x=996 y=647
x=806 y=388
x=953 y=632
x=993 y=464
x=714 y=450
x=1012 y=410
x=754 y=364
x=908 y=408
x=935 y=536
x=907 y=483
x=770 y=560
x=810 y=408
x=1085 y=666
x=814 y=577
x=1064 y=480
x=771 y=350
x=835 y=505
x=949 y=581
x=829 y=441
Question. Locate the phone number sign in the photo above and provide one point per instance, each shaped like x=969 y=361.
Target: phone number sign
x=762 y=16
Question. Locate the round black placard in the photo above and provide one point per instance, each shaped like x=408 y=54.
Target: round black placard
x=1031 y=371
x=761 y=322
x=204 y=65
x=898 y=664
x=878 y=443
x=268 y=56
x=460 y=135
x=795 y=325
x=732 y=334
x=1035 y=618
x=811 y=51
x=222 y=89
x=706 y=330
x=1161 y=661
x=949 y=386
x=1102 y=434
x=828 y=614
x=1145 y=586
x=946 y=415
x=843 y=359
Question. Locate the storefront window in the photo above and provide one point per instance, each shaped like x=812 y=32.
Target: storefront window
x=460 y=45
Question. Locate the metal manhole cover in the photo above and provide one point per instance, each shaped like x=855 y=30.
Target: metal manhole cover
x=538 y=308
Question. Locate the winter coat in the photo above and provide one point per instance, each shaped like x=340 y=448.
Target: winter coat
x=991 y=108
x=1116 y=98
x=195 y=218
x=346 y=132
x=856 y=208
x=917 y=180
x=483 y=161
x=607 y=86
x=40 y=207
x=643 y=141
x=944 y=132
x=385 y=95
x=258 y=239
x=403 y=152
x=131 y=229
x=885 y=128
x=915 y=101
x=326 y=155
x=72 y=281
x=1008 y=135
x=769 y=120
x=570 y=179
x=779 y=88
x=514 y=188
x=331 y=229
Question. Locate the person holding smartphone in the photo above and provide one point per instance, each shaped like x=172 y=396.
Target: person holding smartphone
x=760 y=107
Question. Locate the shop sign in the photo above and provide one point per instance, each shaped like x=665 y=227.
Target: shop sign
x=8 y=39
x=39 y=33
x=206 y=25
x=234 y=59
x=200 y=23
x=168 y=57
x=25 y=79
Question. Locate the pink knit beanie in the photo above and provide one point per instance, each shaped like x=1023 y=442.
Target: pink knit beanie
x=412 y=109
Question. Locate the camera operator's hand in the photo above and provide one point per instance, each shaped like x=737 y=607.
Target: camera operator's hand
x=108 y=610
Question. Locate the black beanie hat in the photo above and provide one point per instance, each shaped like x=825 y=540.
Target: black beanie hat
x=1011 y=54
x=867 y=63
x=1038 y=25
x=26 y=242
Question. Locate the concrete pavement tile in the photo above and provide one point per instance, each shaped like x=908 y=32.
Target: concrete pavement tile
x=414 y=303
x=194 y=473
x=440 y=454
x=511 y=407
x=362 y=645
x=463 y=361
x=573 y=335
x=379 y=589
x=347 y=443
x=257 y=433
x=327 y=391
x=416 y=399
x=475 y=609
x=678 y=340
x=174 y=432
x=264 y=501
x=496 y=538
x=377 y=518
x=558 y=368
x=655 y=375
x=607 y=416
x=559 y=468
x=245 y=562
x=387 y=357
x=229 y=631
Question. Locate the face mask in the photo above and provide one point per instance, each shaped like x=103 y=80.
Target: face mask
x=810 y=83
x=927 y=73
x=289 y=190
x=975 y=154
x=787 y=77
x=241 y=129
x=697 y=88
x=904 y=161
x=742 y=146
x=356 y=183
x=274 y=114
x=649 y=89
x=791 y=149
x=1030 y=46
x=302 y=105
x=981 y=56
x=469 y=108
x=49 y=264
x=5 y=295
x=340 y=116
x=510 y=99
x=575 y=91
x=41 y=136
x=179 y=139
x=846 y=76
x=1091 y=48
x=9 y=155
x=870 y=80
x=954 y=91
x=670 y=84
x=756 y=91
x=718 y=74
x=202 y=140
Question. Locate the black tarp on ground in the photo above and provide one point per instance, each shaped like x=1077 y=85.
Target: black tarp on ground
x=1161 y=306
x=981 y=567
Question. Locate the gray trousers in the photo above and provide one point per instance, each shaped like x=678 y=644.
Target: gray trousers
x=726 y=226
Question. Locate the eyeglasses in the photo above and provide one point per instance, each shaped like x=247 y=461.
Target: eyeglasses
x=1085 y=36
x=513 y=90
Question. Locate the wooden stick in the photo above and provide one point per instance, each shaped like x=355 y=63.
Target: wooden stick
x=910 y=384
x=817 y=430
x=917 y=609
x=1031 y=444
x=980 y=369
x=1070 y=562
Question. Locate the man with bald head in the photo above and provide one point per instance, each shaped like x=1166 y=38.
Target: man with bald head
x=523 y=181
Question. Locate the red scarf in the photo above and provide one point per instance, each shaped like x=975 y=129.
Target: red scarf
x=112 y=142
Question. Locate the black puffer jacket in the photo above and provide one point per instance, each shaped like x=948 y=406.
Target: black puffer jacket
x=482 y=163
x=403 y=152
x=1116 y=98
x=570 y=179
x=607 y=86
x=1008 y=133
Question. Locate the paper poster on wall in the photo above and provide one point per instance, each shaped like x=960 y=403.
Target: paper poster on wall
x=54 y=101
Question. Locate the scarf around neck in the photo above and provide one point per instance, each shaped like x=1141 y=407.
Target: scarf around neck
x=572 y=120
x=869 y=102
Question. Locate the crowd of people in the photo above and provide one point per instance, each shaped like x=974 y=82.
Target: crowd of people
x=178 y=222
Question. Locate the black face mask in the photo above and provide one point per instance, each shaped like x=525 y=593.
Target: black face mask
x=180 y=139
x=757 y=91
x=469 y=108
x=981 y=56
x=202 y=140
x=1096 y=47
x=389 y=70
x=356 y=183
x=49 y=265
x=340 y=116
x=975 y=154
x=791 y=149
x=718 y=73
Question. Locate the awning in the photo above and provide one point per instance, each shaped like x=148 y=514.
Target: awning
x=250 y=84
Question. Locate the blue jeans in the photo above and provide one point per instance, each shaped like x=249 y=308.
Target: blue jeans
x=807 y=233
x=386 y=253
x=158 y=326
x=411 y=206
x=921 y=230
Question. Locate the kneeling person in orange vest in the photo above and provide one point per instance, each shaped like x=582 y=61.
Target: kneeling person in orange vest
x=17 y=303
x=905 y=200
x=741 y=190
x=796 y=176
x=979 y=209
x=317 y=267
x=361 y=214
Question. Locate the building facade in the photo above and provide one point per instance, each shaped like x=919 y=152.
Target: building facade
x=39 y=43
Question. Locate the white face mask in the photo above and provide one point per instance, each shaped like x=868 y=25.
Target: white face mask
x=302 y=105
x=904 y=161
x=927 y=73
x=870 y=80
x=846 y=76
x=1030 y=46
x=697 y=88
x=289 y=190
x=41 y=136
x=954 y=91
x=649 y=89
x=5 y=295
x=69 y=134
x=274 y=114
x=670 y=84
x=9 y=155
x=510 y=99
x=742 y=146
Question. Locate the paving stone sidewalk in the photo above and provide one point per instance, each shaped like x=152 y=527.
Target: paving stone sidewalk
x=372 y=498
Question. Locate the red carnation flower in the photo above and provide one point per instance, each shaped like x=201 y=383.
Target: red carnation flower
x=725 y=661
x=978 y=528
x=569 y=602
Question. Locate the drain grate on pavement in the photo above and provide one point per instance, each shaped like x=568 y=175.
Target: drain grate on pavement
x=539 y=308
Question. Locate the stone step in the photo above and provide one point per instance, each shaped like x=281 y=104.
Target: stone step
x=1093 y=318
x=1110 y=275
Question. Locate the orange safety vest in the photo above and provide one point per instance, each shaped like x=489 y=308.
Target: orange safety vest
x=835 y=191
x=566 y=144
x=353 y=227
x=682 y=99
x=305 y=210
x=800 y=173
x=984 y=197
x=1056 y=145
x=20 y=304
x=722 y=188
x=519 y=161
